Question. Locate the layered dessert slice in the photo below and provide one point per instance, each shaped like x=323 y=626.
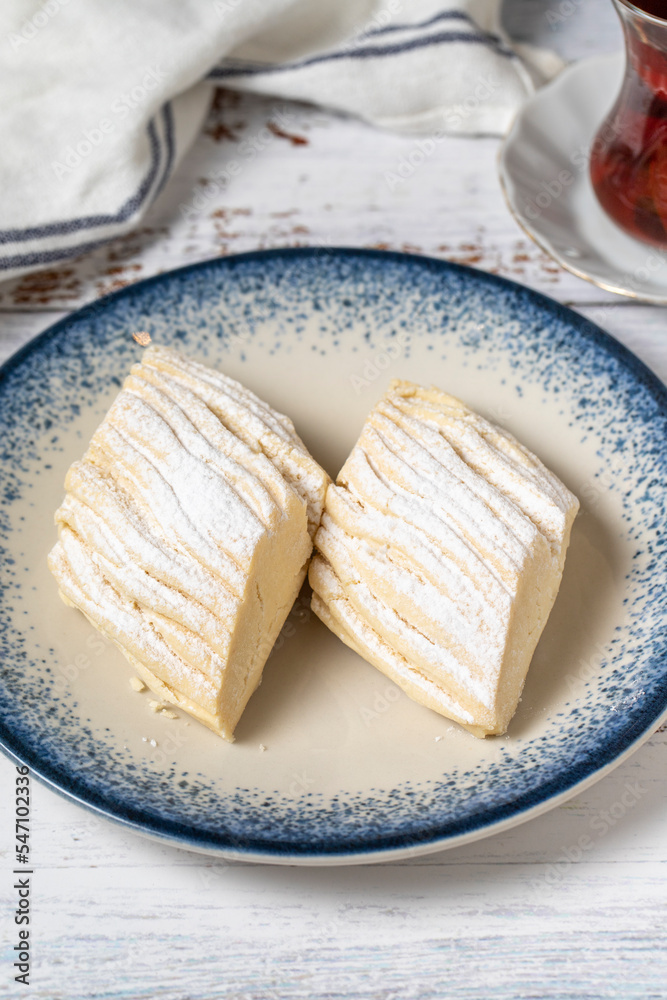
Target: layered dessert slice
x=186 y=532
x=440 y=554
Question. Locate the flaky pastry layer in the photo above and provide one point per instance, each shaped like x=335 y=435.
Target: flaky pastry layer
x=186 y=532
x=440 y=554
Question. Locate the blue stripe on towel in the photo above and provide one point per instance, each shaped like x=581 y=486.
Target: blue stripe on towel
x=445 y=15
x=49 y=256
x=369 y=51
x=91 y=221
x=168 y=118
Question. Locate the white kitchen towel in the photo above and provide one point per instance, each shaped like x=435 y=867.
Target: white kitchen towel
x=99 y=102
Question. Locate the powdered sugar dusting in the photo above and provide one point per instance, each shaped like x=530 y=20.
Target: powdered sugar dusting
x=444 y=539
x=182 y=541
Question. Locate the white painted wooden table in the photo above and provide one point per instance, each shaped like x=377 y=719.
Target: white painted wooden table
x=519 y=915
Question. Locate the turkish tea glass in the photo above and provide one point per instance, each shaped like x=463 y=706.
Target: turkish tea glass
x=628 y=163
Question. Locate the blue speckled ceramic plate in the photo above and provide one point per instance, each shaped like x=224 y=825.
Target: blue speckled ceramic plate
x=351 y=770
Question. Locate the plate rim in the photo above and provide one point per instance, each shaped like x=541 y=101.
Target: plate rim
x=521 y=809
x=374 y=855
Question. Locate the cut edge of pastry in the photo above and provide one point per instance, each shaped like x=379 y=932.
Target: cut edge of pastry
x=342 y=619
x=523 y=488
x=176 y=663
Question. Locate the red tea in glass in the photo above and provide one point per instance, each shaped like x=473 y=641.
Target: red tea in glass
x=629 y=155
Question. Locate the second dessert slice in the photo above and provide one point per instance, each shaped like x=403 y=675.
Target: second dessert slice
x=440 y=554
